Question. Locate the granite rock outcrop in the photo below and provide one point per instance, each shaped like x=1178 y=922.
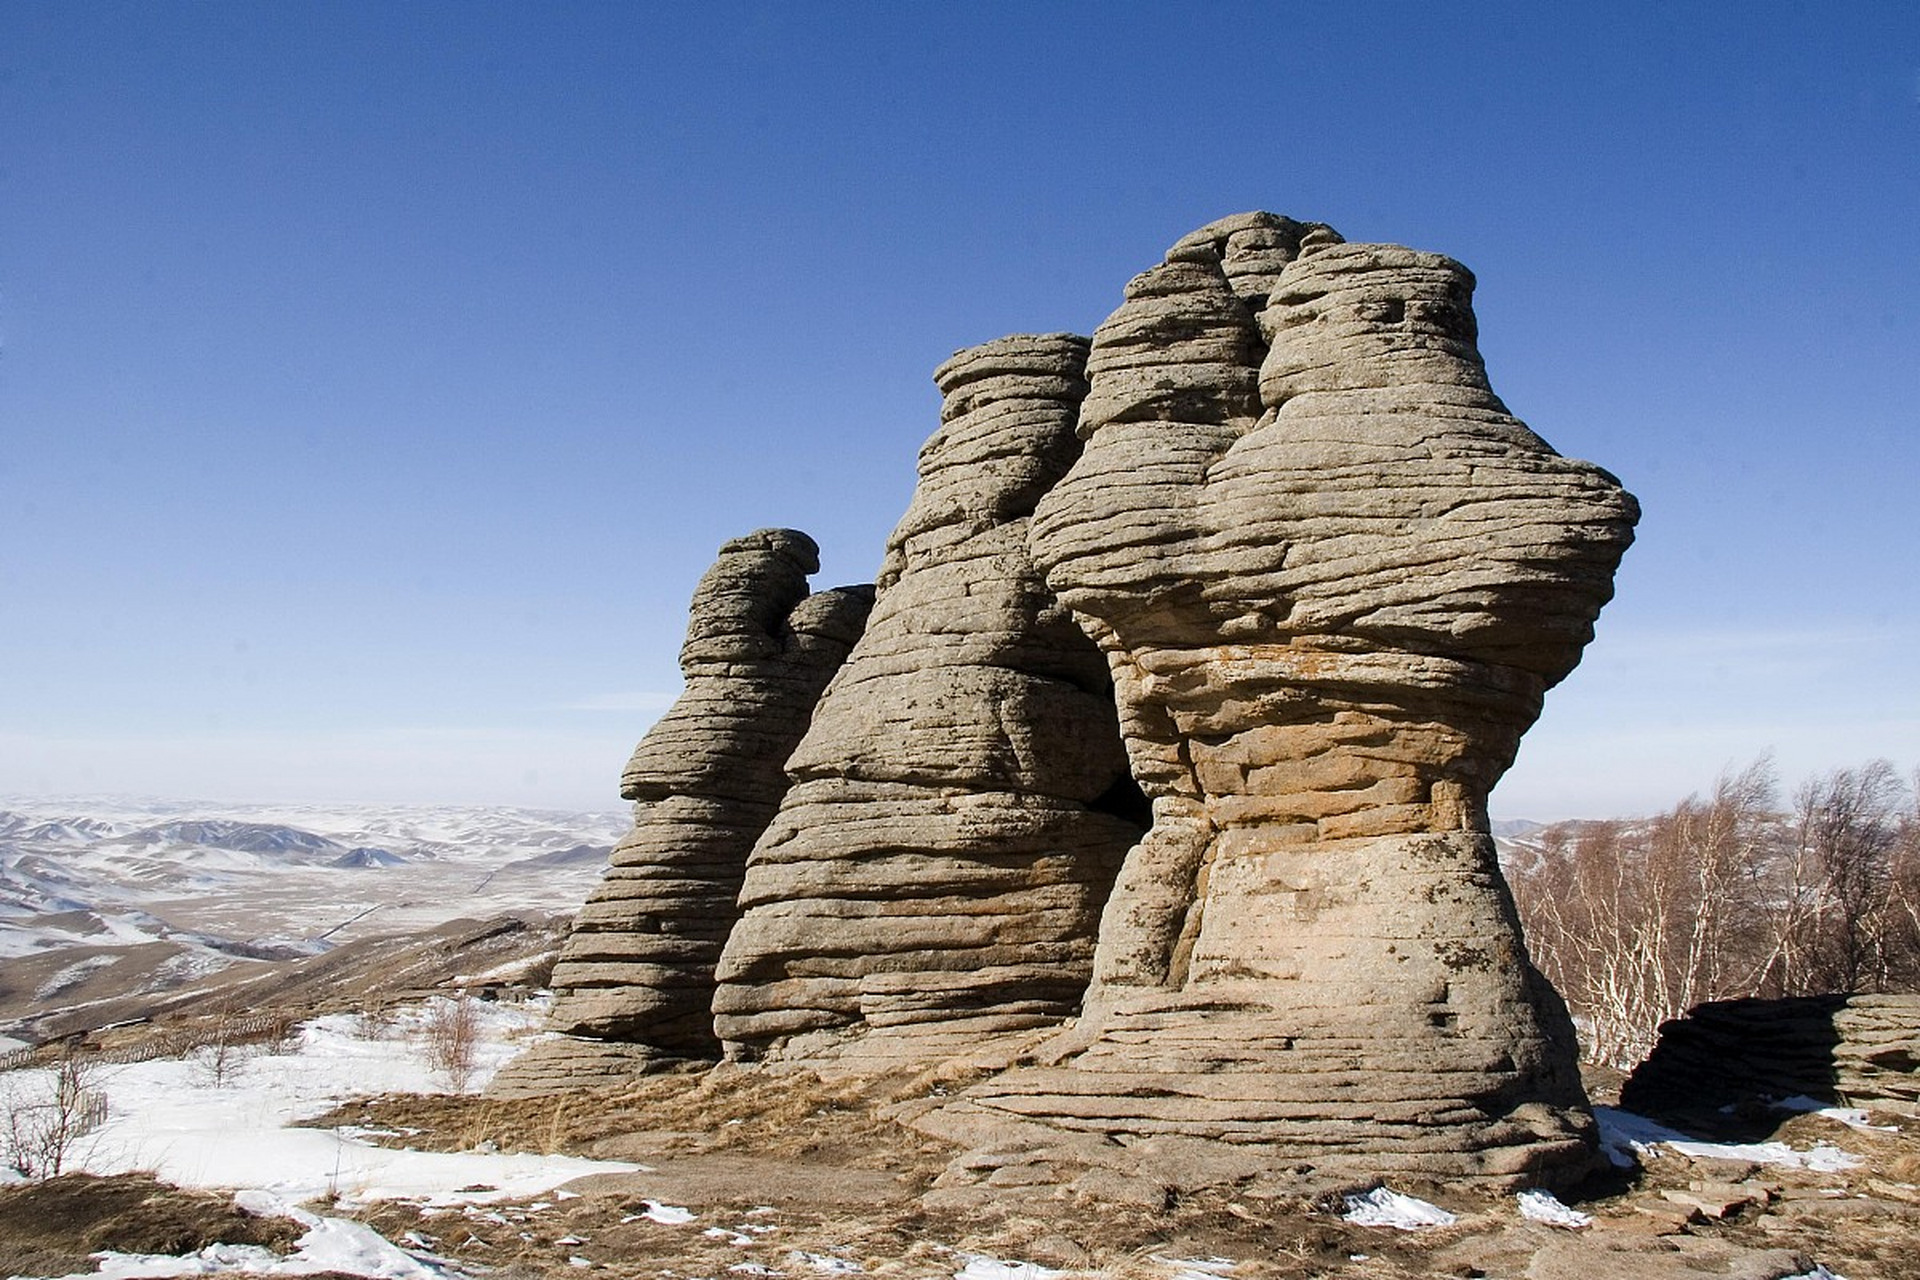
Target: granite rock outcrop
x=634 y=981
x=961 y=802
x=1334 y=578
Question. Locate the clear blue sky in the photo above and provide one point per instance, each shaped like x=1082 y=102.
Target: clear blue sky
x=376 y=379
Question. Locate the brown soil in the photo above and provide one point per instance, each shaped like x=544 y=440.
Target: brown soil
x=778 y=1165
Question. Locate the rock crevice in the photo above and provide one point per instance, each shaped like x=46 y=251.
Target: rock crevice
x=939 y=864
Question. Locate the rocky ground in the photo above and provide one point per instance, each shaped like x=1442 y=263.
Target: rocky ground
x=787 y=1172
x=750 y=1173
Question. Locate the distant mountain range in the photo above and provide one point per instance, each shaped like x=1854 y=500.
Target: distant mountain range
x=89 y=872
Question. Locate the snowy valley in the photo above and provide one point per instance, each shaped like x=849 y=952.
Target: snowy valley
x=105 y=899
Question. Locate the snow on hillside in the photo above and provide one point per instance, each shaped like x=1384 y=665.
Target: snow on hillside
x=92 y=873
x=173 y=1118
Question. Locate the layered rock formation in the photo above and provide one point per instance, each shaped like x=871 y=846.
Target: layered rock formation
x=1269 y=551
x=1858 y=1050
x=635 y=978
x=940 y=862
x=1334 y=578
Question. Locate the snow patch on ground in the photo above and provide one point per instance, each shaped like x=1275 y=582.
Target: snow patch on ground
x=1381 y=1207
x=1852 y=1117
x=1544 y=1206
x=165 y=1117
x=980 y=1267
x=329 y=1245
x=825 y=1263
x=667 y=1215
x=1625 y=1136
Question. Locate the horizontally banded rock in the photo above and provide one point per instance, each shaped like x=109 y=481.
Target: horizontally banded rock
x=634 y=981
x=1333 y=577
x=960 y=803
x=1858 y=1050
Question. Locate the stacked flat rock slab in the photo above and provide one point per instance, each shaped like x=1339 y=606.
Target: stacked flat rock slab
x=634 y=982
x=939 y=864
x=1858 y=1050
x=1333 y=577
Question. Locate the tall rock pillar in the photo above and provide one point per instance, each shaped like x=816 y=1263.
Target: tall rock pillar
x=634 y=982
x=1334 y=577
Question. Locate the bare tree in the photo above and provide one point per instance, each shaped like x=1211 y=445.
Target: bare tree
x=221 y=1051
x=451 y=1037
x=1904 y=904
x=1837 y=912
x=1637 y=922
x=1711 y=854
x=1725 y=896
x=46 y=1114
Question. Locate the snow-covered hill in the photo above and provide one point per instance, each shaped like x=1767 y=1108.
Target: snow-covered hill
x=79 y=876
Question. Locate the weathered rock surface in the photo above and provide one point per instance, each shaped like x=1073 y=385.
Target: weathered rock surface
x=634 y=981
x=941 y=859
x=1334 y=578
x=1270 y=551
x=1853 y=1050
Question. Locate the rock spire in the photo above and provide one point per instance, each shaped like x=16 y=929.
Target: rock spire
x=1156 y=785
x=938 y=867
x=634 y=981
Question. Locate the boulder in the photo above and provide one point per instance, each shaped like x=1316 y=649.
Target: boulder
x=1155 y=788
x=1856 y=1050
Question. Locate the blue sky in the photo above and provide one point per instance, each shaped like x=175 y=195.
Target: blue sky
x=376 y=380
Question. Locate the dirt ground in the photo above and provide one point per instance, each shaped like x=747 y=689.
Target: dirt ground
x=788 y=1175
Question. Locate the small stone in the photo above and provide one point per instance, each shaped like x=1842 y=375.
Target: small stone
x=1713 y=1201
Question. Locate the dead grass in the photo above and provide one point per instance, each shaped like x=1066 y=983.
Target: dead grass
x=690 y=1111
x=49 y=1228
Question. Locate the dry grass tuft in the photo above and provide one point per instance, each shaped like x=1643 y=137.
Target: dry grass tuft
x=49 y=1228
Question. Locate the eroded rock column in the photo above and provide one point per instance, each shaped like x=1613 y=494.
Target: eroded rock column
x=960 y=804
x=635 y=979
x=1334 y=578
